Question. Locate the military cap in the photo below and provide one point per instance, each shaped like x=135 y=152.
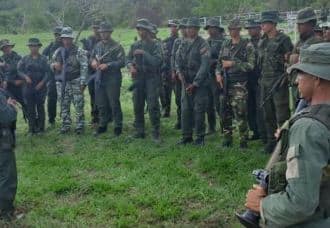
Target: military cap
x=235 y=24
x=318 y=28
x=154 y=29
x=144 y=24
x=252 y=23
x=57 y=29
x=174 y=23
x=67 y=32
x=314 y=60
x=34 y=42
x=269 y=16
x=96 y=24
x=183 y=23
x=193 y=22
x=305 y=15
x=213 y=22
x=5 y=43
x=105 y=27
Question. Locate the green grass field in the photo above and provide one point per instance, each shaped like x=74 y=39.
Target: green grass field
x=71 y=181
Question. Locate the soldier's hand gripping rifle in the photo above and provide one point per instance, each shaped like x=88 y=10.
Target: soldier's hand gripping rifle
x=62 y=76
x=98 y=74
x=277 y=85
x=138 y=64
x=224 y=95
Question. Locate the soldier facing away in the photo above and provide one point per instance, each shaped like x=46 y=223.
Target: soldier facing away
x=70 y=63
x=108 y=57
x=299 y=180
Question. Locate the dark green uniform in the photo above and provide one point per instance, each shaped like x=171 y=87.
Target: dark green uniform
x=272 y=63
x=108 y=89
x=243 y=54
x=193 y=64
x=51 y=85
x=37 y=69
x=146 y=84
x=8 y=174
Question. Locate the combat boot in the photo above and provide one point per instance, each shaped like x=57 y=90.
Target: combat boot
x=156 y=137
x=228 y=141
x=199 y=141
x=185 y=141
x=117 y=131
x=100 y=130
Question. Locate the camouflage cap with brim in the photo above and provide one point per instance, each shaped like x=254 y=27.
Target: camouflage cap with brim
x=34 y=42
x=154 y=29
x=105 y=27
x=235 y=24
x=318 y=28
x=252 y=23
x=6 y=43
x=144 y=24
x=314 y=60
x=96 y=24
x=57 y=29
x=67 y=32
x=183 y=23
x=269 y=16
x=213 y=23
x=193 y=22
x=173 y=23
x=305 y=15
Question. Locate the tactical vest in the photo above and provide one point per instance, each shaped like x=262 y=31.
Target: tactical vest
x=277 y=177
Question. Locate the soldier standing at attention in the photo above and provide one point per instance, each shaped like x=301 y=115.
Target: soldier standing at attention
x=167 y=82
x=51 y=85
x=255 y=113
x=274 y=51
x=193 y=65
x=108 y=57
x=175 y=78
x=34 y=69
x=303 y=162
x=306 y=22
x=144 y=61
x=8 y=174
x=215 y=41
x=71 y=62
x=236 y=59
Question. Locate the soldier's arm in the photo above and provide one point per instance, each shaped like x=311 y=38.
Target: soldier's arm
x=173 y=55
x=130 y=57
x=219 y=69
x=46 y=51
x=7 y=112
x=287 y=48
x=120 y=59
x=154 y=58
x=21 y=69
x=82 y=57
x=307 y=156
x=248 y=65
x=204 y=68
x=179 y=61
x=47 y=70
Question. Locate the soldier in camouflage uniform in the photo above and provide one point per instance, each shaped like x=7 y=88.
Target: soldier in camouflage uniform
x=12 y=82
x=255 y=113
x=175 y=78
x=167 y=83
x=51 y=85
x=236 y=59
x=8 y=174
x=274 y=50
x=72 y=60
x=215 y=41
x=108 y=57
x=143 y=61
x=193 y=65
x=34 y=69
x=306 y=21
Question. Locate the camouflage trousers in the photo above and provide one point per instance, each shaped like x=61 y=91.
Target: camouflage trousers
x=72 y=94
x=236 y=108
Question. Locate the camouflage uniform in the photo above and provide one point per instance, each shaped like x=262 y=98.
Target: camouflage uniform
x=77 y=66
x=146 y=85
x=37 y=69
x=243 y=55
x=193 y=64
x=167 y=83
x=108 y=89
x=215 y=44
x=177 y=82
x=51 y=85
x=304 y=16
x=272 y=63
x=8 y=174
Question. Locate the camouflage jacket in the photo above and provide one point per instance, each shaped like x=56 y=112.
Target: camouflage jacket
x=215 y=47
x=193 y=61
x=243 y=55
x=7 y=112
x=272 y=55
x=112 y=54
x=10 y=70
x=149 y=63
x=168 y=44
x=76 y=62
x=37 y=69
x=305 y=42
x=50 y=49
x=175 y=48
